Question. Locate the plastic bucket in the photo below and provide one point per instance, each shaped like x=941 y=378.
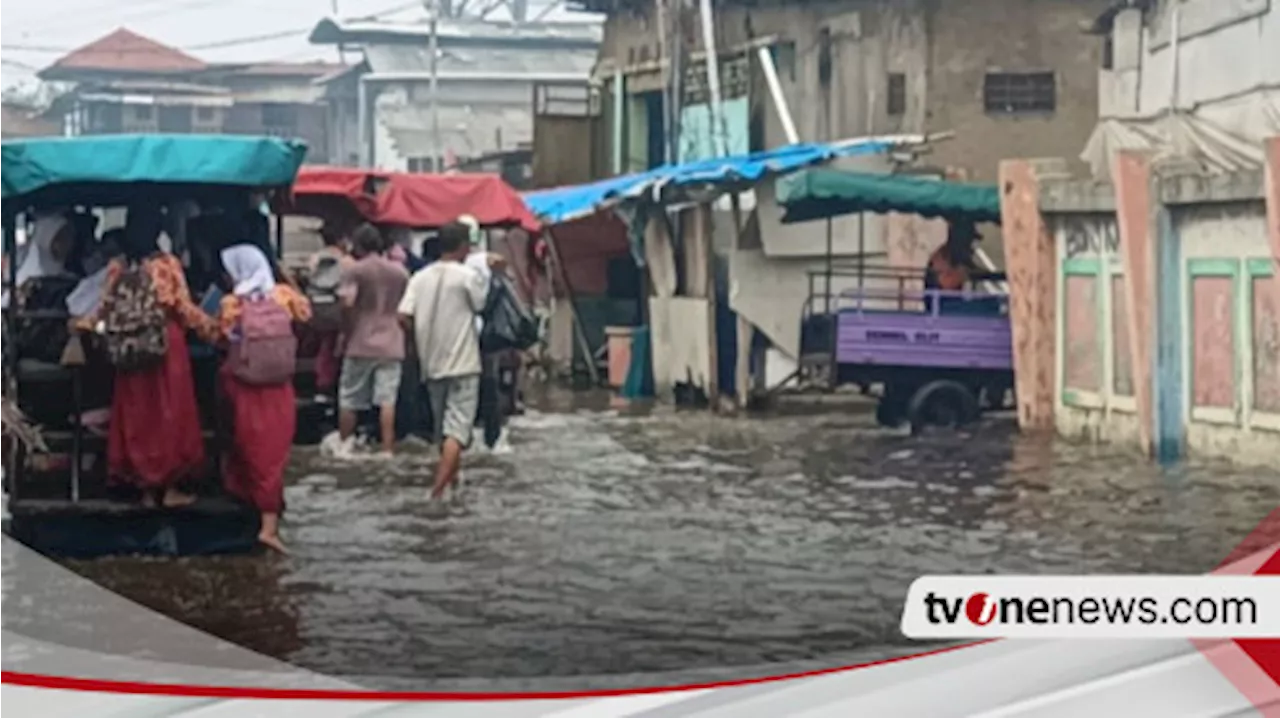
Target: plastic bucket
x=619 y=348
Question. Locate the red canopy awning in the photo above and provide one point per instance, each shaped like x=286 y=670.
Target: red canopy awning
x=420 y=201
x=333 y=193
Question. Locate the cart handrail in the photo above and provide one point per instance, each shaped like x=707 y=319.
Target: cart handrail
x=913 y=295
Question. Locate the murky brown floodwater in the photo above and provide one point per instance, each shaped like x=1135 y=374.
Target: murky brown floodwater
x=608 y=543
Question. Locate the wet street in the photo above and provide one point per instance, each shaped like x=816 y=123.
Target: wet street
x=607 y=542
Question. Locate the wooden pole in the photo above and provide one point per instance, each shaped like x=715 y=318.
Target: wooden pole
x=583 y=343
x=700 y=258
x=742 y=372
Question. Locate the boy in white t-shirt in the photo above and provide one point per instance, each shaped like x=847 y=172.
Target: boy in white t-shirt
x=442 y=303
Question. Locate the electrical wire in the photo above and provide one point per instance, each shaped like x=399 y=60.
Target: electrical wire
x=154 y=8
x=217 y=44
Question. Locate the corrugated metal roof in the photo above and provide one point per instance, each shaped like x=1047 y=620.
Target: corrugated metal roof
x=510 y=62
x=279 y=69
x=183 y=88
x=453 y=31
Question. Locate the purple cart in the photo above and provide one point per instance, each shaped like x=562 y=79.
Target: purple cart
x=941 y=356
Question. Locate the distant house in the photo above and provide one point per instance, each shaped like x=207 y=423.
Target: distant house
x=125 y=82
x=381 y=109
x=279 y=99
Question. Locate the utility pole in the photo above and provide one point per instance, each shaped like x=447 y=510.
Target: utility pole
x=665 y=64
x=433 y=49
x=718 y=140
x=676 y=80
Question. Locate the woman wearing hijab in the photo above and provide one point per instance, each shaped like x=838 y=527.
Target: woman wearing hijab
x=262 y=417
x=52 y=240
x=155 y=443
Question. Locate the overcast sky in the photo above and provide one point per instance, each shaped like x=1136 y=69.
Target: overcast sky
x=37 y=32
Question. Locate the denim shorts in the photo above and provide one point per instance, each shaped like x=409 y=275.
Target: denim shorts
x=367 y=383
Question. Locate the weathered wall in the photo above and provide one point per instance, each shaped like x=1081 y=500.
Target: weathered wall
x=1204 y=373
x=969 y=38
x=1224 y=49
x=1096 y=395
x=944 y=51
x=476 y=118
x=565 y=149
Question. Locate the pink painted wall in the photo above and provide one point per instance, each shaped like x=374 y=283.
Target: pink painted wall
x=1266 y=310
x=1134 y=205
x=1213 y=355
x=1122 y=352
x=910 y=239
x=1266 y=345
x=1031 y=263
x=1082 y=361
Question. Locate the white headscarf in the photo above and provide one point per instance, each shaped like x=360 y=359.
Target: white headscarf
x=249 y=269
x=38 y=260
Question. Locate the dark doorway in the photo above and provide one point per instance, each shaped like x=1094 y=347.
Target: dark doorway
x=653 y=106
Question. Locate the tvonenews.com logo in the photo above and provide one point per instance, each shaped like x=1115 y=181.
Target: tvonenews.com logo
x=1093 y=606
x=983 y=609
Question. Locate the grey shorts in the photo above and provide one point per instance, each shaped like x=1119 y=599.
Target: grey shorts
x=454 y=402
x=367 y=383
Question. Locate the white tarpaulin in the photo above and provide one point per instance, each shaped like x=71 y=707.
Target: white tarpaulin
x=1222 y=137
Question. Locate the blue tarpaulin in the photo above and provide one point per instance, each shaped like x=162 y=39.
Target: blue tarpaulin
x=722 y=174
x=32 y=165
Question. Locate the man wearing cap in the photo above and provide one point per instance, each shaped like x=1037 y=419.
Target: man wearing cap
x=951 y=266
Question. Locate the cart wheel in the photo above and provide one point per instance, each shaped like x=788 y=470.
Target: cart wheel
x=942 y=403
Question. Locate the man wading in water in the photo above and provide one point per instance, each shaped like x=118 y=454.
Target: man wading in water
x=441 y=304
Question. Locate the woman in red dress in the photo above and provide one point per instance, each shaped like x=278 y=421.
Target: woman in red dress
x=262 y=417
x=155 y=443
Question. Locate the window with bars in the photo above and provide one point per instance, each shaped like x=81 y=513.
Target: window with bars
x=1010 y=93
x=896 y=94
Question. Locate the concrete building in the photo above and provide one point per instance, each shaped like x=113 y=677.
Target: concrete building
x=1148 y=304
x=1196 y=79
x=381 y=109
x=1009 y=78
x=128 y=83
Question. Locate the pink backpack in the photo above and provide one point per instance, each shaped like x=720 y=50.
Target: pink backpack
x=266 y=352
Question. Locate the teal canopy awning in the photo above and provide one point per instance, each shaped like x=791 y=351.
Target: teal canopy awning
x=820 y=194
x=34 y=167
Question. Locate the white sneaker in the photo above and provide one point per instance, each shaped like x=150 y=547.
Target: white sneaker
x=345 y=450
x=333 y=446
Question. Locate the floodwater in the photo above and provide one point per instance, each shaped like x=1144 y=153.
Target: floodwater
x=641 y=541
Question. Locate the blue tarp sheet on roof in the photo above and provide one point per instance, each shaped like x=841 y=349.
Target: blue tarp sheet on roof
x=568 y=203
x=31 y=165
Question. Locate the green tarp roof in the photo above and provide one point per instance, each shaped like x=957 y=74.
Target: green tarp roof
x=819 y=194
x=32 y=166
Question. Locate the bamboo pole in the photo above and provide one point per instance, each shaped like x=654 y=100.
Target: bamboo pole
x=579 y=331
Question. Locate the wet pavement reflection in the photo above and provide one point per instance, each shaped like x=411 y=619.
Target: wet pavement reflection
x=642 y=540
